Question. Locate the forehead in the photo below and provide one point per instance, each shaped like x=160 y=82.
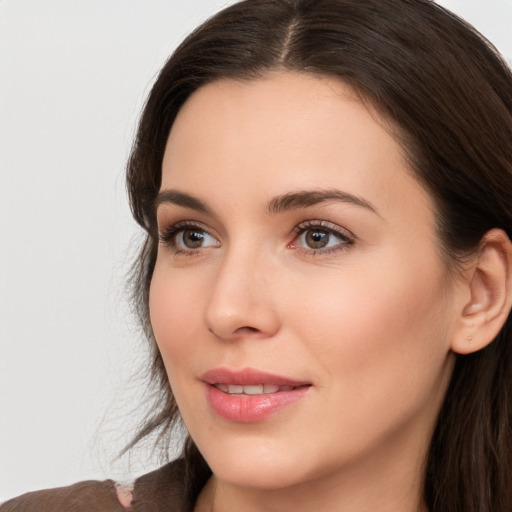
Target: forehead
x=277 y=108
x=282 y=132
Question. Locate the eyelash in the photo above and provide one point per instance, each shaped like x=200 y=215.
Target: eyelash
x=168 y=237
x=346 y=237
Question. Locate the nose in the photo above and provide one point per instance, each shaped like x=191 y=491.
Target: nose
x=242 y=302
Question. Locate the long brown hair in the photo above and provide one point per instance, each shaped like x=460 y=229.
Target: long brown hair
x=449 y=94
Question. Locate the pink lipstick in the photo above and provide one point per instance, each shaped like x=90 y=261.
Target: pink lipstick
x=250 y=395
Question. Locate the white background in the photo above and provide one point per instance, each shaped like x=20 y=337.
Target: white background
x=73 y=77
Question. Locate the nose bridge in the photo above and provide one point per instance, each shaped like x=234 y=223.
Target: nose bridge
x=241 y=299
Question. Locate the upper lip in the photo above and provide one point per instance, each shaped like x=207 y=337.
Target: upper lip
x=248 y=377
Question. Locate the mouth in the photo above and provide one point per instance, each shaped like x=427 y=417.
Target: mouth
x=258 y=389
x=250 y=395
x=254 y=381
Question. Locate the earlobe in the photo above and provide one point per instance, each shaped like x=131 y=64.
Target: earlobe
x=490 y=302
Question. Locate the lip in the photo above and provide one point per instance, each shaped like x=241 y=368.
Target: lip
x=248 y=377
x=244 y=408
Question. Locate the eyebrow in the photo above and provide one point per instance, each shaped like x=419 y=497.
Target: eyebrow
x=181 y=199
x=306 y=198
x=279 y=204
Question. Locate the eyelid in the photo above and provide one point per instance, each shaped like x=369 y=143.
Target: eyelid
x=167 y=234
x=325 y=225
x=322 y=225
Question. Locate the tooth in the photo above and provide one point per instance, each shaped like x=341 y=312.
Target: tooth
x=253 y=390
x=222 y=387
x=234 y=389
x=270 y=388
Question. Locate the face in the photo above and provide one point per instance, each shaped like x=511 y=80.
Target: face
x=299 y=299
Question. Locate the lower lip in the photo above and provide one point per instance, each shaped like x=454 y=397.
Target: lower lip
x=251 y=408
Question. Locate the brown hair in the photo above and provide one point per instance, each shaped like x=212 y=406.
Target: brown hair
x=449 y=94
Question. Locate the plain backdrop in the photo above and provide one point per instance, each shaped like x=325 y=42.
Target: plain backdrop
x=73 y=78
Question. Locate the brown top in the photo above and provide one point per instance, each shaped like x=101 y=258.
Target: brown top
x=159 y=491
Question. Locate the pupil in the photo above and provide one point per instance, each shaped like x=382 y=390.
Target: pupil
x=193 y=239
x=317 y=239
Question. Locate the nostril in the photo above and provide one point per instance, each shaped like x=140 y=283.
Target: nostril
x=248 y=328
x=240 y=331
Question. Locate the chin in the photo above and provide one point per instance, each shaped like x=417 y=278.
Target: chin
x=256 y=465
x=257 y=475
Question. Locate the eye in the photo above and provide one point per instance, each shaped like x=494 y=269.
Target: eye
x=321 y=236
x=194 y=239
x=184 y=238
x=318 y=239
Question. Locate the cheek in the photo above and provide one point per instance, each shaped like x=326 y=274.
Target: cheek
x=368 y=323
x=378 y=343
x=174 y=303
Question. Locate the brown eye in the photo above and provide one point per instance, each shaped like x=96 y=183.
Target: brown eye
x=317 y=239
x=192 y=238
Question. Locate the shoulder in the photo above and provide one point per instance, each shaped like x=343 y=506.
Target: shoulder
x=73 y=498
x=160 y=490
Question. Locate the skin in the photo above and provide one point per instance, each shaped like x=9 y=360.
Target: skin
x=369 y=321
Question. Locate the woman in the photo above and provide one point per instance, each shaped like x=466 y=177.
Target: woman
x=326 y=187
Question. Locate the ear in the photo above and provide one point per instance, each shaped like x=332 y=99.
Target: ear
x=489 y=280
